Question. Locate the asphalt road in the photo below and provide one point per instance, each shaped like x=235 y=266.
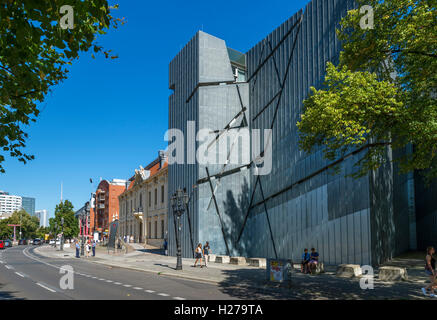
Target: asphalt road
x=26 y=275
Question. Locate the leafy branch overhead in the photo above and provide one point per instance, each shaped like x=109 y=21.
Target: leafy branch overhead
x=384 y=90
x=34 y=55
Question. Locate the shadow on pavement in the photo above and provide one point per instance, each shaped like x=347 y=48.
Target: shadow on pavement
x=251 y=284
x=8 y=295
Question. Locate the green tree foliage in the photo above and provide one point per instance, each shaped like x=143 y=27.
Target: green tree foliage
x=384 y=90
x=71 y=224
x=34 y=54
x=29 y=225
x=42 y=231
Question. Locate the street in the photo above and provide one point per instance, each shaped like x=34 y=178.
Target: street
x=26 y=275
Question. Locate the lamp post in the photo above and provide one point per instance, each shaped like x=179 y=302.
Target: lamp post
x=178 y=201
x=83 y=215
x=62 y=233
x=56 y=232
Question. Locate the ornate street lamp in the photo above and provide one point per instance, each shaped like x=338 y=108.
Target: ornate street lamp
x=62 y=233
x=56 y=232
x=84 y=214
x=178 y=201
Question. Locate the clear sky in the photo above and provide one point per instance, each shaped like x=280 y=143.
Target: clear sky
x=109 y=117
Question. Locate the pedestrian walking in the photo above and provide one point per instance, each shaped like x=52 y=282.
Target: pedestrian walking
x=94 y=248
x=165 y=246
x=88 y=249
x=206 y=252
x=198 y=255
x=77 y=249
x=430 y=271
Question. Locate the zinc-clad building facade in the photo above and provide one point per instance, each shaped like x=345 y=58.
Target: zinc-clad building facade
x=304 y=202
x=207 y=93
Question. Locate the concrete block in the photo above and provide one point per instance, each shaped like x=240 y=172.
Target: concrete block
x=320 y=268
x=240 y=261
x=211 y=257
x=257 y=262
x=349 y=271
x=393 y=274
x=222 y=259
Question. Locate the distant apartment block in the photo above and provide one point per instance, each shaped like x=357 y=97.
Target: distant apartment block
x=106 y=206
x=42 y=216
x=28 y=204
x=9 y=204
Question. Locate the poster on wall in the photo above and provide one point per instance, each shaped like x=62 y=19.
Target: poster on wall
x=276 y=271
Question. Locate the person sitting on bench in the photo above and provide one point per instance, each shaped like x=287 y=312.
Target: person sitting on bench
x=305 y=260
x=314 y=259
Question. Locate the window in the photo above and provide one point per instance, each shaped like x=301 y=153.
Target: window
x=162 y=229
x=162 y=194
x=156 y=196
x=141 y=200
x=150 y=199
x=150 y=230
x=156 y=229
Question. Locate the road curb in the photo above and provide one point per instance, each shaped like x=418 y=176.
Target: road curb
x=112 y=264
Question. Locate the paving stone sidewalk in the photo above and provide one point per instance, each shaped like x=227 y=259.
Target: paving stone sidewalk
x=247 y=282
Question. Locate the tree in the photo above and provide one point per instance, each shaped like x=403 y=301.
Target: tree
x=41 y=232
x=71 y=223
x=35 y=51
x=5 y=231
x=29 y=225
x=383 y=92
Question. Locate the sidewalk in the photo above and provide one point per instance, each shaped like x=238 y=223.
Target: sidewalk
x=149 y=261
x=249 y=282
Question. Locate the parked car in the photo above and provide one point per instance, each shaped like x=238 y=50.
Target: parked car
x=22 y=242
x=2 y=245
x=8 y=243
x=37 y=242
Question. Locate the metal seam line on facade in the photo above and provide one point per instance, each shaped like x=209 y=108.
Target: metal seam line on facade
x=259 y=62
x=208 y=84
x=274 y=62
x=299 y=22
x=218 y=212
x=333 y=164
x=276 y=47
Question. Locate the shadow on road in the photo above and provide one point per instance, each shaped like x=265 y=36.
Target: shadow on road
x=251 y=284
x=8 y=295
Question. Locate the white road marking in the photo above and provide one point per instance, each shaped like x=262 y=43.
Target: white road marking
x=1 y=262
x=9 y=267
x=127 y=285
x=117 y=283
x=109 y=281
x=137 y=288
x=94 y=277
x=149 y=291
x=22 y=276
x=102 y=279
x=43 y=286
x=163 y=294
x=179 y=298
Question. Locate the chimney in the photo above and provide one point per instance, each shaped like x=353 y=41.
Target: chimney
x=162 y=158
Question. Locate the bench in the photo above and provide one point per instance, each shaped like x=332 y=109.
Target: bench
x=222 y=259
x=211 y=257
x=349 y=271
x=257 y=262
x=240 y=261
x=393 y=274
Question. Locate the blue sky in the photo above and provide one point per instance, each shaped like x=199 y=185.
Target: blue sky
x=109 y=117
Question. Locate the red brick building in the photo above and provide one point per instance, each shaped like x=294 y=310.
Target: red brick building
x=106 y=205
